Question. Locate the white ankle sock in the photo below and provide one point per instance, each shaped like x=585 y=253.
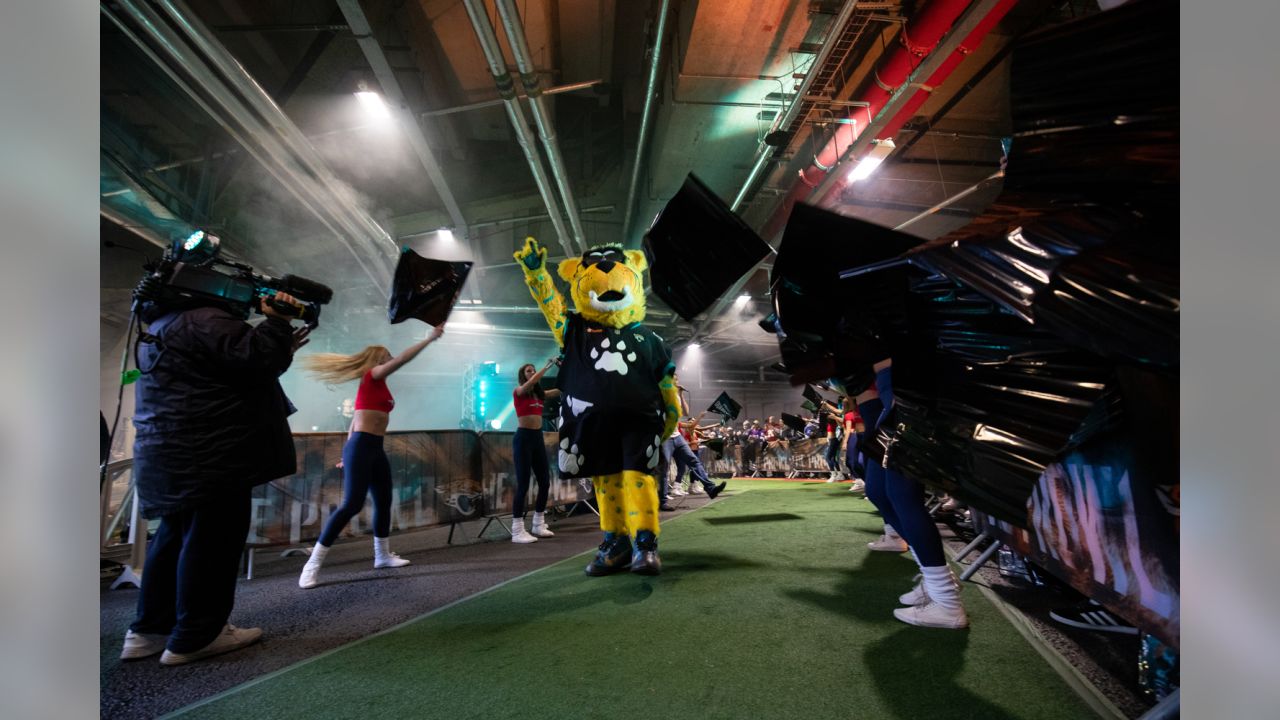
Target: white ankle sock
x=318 y=554
x=889 y=531
x=942 y=587
x=381 y=547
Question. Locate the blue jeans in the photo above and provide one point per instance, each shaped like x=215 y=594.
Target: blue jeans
x=189 y=587
x=677 y=448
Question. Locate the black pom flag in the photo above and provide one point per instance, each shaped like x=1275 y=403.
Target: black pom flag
x=425 y=289
x=726 y=406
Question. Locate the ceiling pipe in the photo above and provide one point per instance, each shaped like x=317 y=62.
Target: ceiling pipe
x=972 y=26
x=646 y=117
x=258 y=100
x=400 y=106
x=764 y=152
x=557 y=90
x=901 y=82
x=531 y=81
x=506 y=88
x=247 y=130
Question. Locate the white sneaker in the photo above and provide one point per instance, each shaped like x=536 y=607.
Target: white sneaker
x=933 y=615
x=858 y=485
x=307 y=579
x=695 y=489
x=231 y=638
x=916 y=596
x=390 y=560
x=888 y=543
x=142 y=645
x=832 y=477
x=519 y=535
x=676 y=492
x=539 y=528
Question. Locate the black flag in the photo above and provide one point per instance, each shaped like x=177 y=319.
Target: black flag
x=726 y=406
x=425 y=289
x=812 y=395
x=809 y=405
x=698 y=248
x=793 y=422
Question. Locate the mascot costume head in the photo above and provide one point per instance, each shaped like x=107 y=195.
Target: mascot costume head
x=619 y=400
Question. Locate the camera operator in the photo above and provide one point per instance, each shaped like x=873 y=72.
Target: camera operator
x=211 y=422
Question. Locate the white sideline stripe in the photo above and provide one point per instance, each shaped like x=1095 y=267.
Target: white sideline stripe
x=276 y=673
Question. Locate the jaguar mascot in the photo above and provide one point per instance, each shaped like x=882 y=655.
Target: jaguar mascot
x=618 y=394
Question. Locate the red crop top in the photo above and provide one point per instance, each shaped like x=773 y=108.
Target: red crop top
x=530 y=404
x=373 y=394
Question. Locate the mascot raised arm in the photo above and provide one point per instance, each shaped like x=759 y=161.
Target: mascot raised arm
x=618 y=392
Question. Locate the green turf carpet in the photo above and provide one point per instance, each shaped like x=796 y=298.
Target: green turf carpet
x=769 y=606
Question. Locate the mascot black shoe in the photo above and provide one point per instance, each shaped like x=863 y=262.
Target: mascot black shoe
x=617 y=388
x=644 y=558
x=613 y=556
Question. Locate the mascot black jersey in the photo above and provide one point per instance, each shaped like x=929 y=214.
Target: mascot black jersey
x=612 y=410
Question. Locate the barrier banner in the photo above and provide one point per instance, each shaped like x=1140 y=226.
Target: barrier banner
x=499 y=473
x=437 y=477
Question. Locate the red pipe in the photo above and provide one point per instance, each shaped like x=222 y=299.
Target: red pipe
x=919 y=37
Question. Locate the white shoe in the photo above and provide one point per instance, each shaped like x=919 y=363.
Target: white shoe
x=858 y=485
x=390 y=560
x=382 y=555
x=917 y=594
x=142 y=645
x=519 y=535
x=888 y=543
x=231 y=638
x=933 y=615
x=311 y=569
x=307 y=579
x=676 y=492
x=695 y=489
x=831 y=477
x=539 y=528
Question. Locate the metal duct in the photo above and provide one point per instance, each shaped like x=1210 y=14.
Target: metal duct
x=646 y=117
x=369 y=245
x=506 y=88
x=541 y=114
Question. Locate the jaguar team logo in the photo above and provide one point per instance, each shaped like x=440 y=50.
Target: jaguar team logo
x=464 y=496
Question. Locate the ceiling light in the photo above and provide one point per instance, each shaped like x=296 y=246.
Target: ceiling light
x=880 y=149
x=373 y=104
x=695 y=345
x=743 y=299
x=445 y=234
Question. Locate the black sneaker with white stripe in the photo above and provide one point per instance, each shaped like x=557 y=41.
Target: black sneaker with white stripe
x=1092 y=616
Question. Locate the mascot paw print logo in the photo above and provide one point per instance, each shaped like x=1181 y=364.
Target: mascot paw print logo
x=613 y=361
x=653 y=452
x=570 y=460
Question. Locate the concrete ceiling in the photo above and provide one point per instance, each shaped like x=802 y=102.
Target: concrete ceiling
x=728 y=67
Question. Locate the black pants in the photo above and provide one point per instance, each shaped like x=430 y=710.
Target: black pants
x=189 y=581
x=365 y=471
x=530 y=454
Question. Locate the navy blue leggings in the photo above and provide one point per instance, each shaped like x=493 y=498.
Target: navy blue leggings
x=529 y=453
x=904 y=496
x=365 y=470
x=833 y=453
x=874 y=476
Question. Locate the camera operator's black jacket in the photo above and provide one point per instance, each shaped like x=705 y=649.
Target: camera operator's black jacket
x=211 y=415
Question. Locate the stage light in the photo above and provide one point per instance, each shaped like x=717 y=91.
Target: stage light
x=496 y=424
x=743 y=299
x=880 y=149
x=695 y=345
x=374 y=106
